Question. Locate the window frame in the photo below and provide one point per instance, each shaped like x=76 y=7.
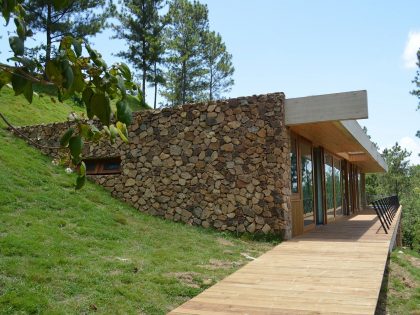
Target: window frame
x=99 y=164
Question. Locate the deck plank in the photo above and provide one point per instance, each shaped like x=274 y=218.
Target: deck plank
x=334 y=269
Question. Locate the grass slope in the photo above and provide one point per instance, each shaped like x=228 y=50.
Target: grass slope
x=63 y=251
x=400 y=292
x=42 y=110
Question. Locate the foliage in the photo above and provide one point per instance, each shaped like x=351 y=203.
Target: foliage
x=76 y=253
x=188 y=21
x=77 y=19
x=198 y=65
x=219 y=65
x=416 y=81
x=404 y=181
x=411 y=210
x=416 y=91
x=71 y=73
x=141 y=28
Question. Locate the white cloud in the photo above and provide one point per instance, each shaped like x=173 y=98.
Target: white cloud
x=410 y=51
x=411 y=48
x=412 y=145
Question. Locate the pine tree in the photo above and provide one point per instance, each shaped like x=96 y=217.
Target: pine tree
x=219 y=65
x=185 y=73
x=78 y=19
x=416 y=91
x=141 y=27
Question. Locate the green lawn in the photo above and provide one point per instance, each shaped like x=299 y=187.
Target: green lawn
x=67 y=252
x=400 y=292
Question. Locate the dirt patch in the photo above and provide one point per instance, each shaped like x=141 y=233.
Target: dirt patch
x=403 y=275
x=413 y=261
x=186 y=278
x=215 y=264
x=225 y=242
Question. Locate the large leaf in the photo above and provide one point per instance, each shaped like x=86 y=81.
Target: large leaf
x=68 y=77
x=53 y=71
x=124 y=113
x=77 y=46
x=20 y=28
x=122 y=131
x=87 y=97
x=5 y=77
x=82 y=169
x=75 y=146
x=121 y=85
x=17 y=45
x=28 y=92
x=125 y=71
x=79 y=82
x=101 y=107
x=19 y=83
x=64 y=141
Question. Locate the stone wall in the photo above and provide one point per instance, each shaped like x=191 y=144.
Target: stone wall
x=222 y=164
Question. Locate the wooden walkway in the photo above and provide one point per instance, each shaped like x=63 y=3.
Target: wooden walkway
x=335 y=269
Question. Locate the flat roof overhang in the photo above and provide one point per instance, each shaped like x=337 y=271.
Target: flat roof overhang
x=329 y=121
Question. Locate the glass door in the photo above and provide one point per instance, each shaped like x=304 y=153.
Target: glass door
x=307 y=184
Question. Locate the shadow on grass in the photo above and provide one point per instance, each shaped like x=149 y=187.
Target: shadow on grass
x=383 y=294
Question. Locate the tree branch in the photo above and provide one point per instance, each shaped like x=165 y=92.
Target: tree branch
x=40 y=146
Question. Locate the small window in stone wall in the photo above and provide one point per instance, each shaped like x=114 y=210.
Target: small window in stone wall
x=103 y=166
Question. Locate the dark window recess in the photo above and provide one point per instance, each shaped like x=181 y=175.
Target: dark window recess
x=103 y=166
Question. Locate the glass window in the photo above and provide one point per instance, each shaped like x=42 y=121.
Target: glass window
x=294 y=166
x=103 y=166
x=111 y=166
x=329 y=186
x=307 y=183
x=338 y=188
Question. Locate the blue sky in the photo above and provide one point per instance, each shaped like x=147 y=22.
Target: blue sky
x=314 y=47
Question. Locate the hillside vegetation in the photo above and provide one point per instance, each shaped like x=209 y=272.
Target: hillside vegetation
x=67 y=252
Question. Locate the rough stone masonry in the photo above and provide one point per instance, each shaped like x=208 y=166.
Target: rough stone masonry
x=222 y=164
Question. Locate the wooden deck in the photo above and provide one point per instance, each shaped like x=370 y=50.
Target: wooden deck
x=335 y=269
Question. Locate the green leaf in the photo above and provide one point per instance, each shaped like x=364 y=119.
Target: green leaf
x=82 y=169
x=114 y=132
x=18 y=83
x=75 y=146
x=17 y=45
x=125 y=71
x=124 y=113
x=78 y=82
x=28 y=91
x=53 y=71
x=121 y=85
x=20 y=28
x=64 y=141
x=122 y=131
x=77 y=46
x=68 y=77
x=101 y=107
x=80 y=182
x=5 y=77
x=87 y=97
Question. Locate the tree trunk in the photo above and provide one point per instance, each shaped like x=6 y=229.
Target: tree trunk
x=183 y=83
x=48 y=30
x=211 y=85
x=144 y=85
x=156 y=84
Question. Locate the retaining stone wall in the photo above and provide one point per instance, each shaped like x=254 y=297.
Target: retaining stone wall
x=223 y=164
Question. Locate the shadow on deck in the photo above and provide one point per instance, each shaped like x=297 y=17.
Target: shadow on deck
x=334 y=269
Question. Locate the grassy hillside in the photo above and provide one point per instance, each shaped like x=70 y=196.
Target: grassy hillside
x=400 y=293
x=71 y=252
x=42 y=110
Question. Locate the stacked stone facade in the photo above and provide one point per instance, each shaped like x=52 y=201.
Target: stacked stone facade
x=222 y=164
